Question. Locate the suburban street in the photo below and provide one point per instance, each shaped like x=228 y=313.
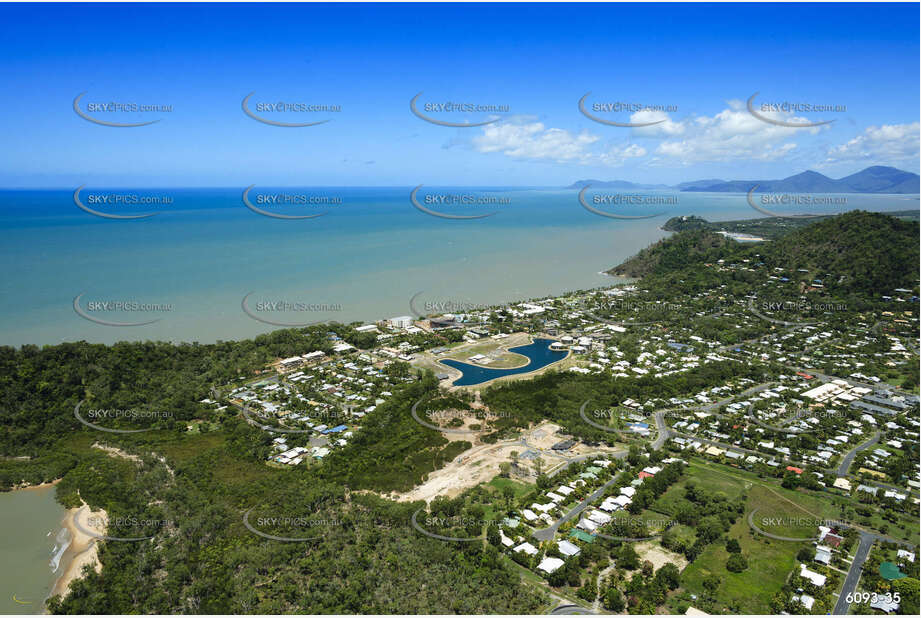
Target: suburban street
x=848 y=458
x=663 y=433
x=853 y=574
x=546 y=534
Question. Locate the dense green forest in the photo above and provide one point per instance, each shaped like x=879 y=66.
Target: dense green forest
x=365 y=558
x=857 y=252
x=865 y=252
x=765 y=227
x=677 y=252
x=198 y=486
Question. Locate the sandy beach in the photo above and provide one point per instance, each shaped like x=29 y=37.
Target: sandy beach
x=82 y=550
x=26 y=486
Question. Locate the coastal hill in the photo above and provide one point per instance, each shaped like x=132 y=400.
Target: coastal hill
x=615 y=184
x=867 y=252
x=683 y=250
x=765 y=228
x=876 y=179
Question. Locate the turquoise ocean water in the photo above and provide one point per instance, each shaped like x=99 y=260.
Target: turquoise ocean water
x=364 y=259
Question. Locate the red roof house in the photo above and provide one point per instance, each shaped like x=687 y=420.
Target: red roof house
x=832 y=540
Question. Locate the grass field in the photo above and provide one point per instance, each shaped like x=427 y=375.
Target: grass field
x=519 y=488
x=495 y=509
x=795 y=514
x=770 y=561
x=708 y=478
x=687 y=534
x=655 y=522
x=733 y=482
x=751 y=591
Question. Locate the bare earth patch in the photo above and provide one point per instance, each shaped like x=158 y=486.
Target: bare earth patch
x=472 y=467
x=117 y=452
x=659 y=556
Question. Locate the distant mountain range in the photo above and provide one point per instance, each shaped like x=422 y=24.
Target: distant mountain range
x=876 y=179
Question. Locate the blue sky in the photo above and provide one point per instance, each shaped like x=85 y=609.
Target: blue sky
x=539 y=60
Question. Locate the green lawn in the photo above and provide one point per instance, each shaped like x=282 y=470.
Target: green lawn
x=519 y=488
x=777 y=515
x=655 y=522
x=733 y=482
x=686 y=533
x=496 y=508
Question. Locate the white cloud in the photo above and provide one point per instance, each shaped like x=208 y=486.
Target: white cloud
x=889 y=143
x=617 y=156
x=524 y=139
x=532 y=140
x=666 y=125
x=732 y=134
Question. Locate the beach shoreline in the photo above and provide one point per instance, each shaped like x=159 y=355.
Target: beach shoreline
x=82 y=550
x=28 y=487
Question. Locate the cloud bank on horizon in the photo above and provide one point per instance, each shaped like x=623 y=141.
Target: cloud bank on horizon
x=731 y=135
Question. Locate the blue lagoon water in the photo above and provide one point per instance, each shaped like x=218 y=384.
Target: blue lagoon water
x=538 y=353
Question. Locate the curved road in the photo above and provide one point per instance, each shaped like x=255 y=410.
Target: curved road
x=570 y=610
x=842 y=606
x=776 y=537
x=848 y=458
x=665 y=432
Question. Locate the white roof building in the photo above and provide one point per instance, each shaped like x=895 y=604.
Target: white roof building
x=609 y=505
x=526 y=548
x=599 y=518
x=816 y=578
x=883 y=603
x=569 y=549
x=823 y=554
x=587 y=525
x=549 y=565
x=623 y=501
x=805 y=600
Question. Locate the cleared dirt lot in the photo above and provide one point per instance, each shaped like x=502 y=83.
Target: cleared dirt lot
x=544 y=436
x=659 y=556
x=472 y=467
x=480 y=463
